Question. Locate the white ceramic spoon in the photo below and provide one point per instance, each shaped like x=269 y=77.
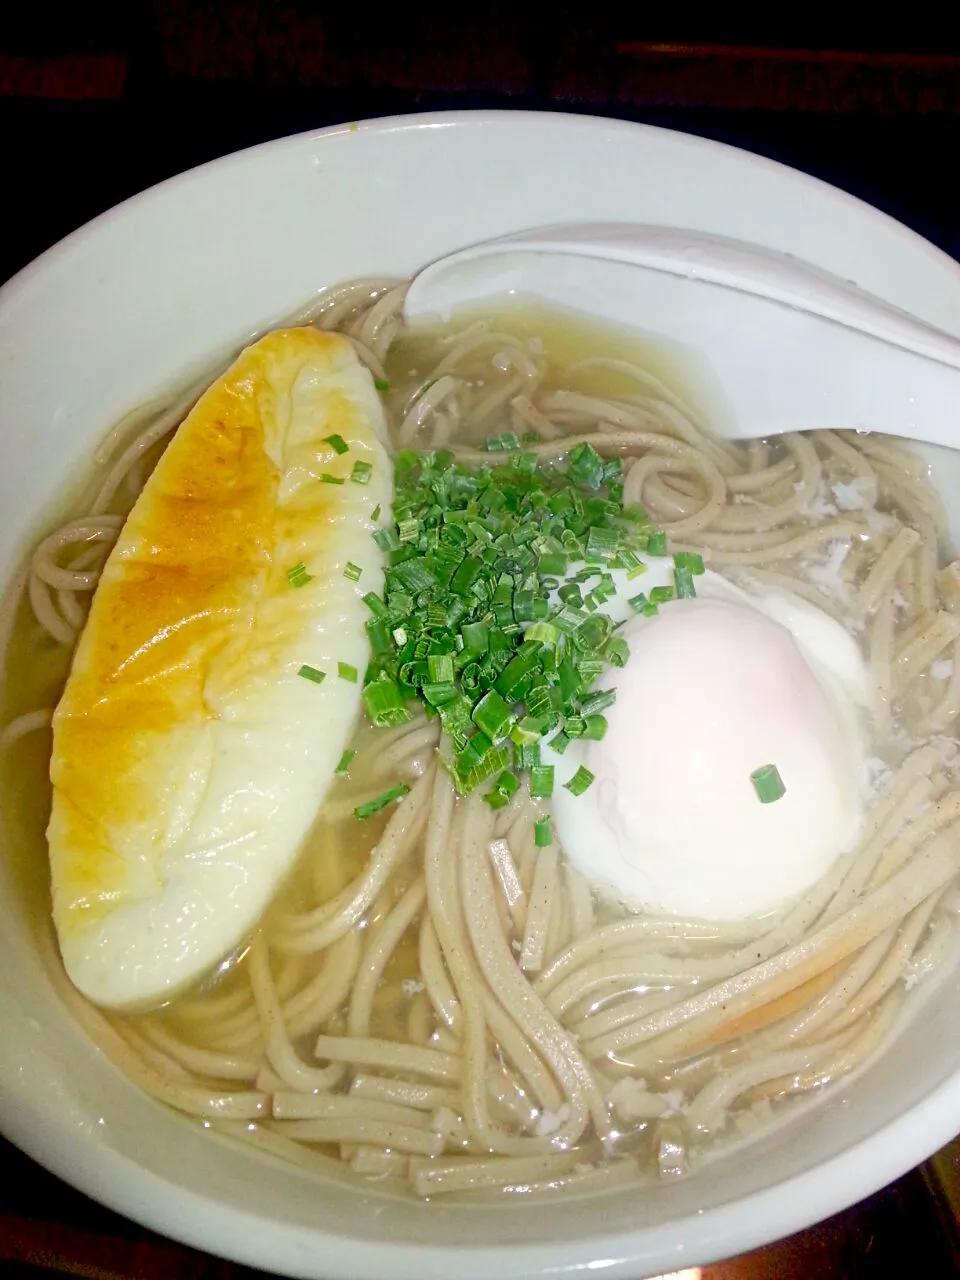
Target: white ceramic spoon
x=767 y=342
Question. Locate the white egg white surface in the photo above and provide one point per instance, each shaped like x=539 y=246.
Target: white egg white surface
x=714 y=688
x=190 y=757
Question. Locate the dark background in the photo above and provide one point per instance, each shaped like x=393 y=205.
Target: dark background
x=100 y=100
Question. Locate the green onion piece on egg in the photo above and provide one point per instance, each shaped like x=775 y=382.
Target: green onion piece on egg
x=768 y=784
x=579 y=782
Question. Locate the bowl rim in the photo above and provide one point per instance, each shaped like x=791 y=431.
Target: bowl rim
x=452 y=119
x=208 y=1224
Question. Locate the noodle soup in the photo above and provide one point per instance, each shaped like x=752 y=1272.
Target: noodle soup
x=439 y=995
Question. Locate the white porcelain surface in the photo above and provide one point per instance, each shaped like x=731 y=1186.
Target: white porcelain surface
x=155 y=288
x=727 y=309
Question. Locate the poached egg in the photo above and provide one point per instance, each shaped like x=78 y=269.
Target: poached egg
x=715 y=688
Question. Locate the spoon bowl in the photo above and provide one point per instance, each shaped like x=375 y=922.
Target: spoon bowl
x=765 y=343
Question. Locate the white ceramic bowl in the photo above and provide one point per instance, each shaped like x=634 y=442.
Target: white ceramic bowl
x=153 y=289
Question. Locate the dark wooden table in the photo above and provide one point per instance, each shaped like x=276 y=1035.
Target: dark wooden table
x=99 y=100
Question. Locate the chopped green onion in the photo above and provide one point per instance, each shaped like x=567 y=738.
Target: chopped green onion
x=493 y=716
x=503 y=789
x=477 y=760
x=455 y=717
x=639 y=602
x=375 y=604
x=374 y=806
x=496 y=799
x=593 y=703
x=553 y=564
x=327 y=478
x=585 y=466
x=657 y=544
x=438 y=692
x=502 y=443
x=616 y=651
x=541 y=633
x=568 y=618
x=440 y=667
x=493 y=611
x=312 y=673
x=660 y=595
x=386 y=539
x=593 y=632
x=683 y=583
x=475 y=637
x=298 y=575
x=352 y=571
x=378 y=633
x=602 y=543
x=343 y=768
x=468 y=572
x=579 y=782
x=539 y=700
x=634 y=513
x=336 y=443
x=381 y=384
x=361 y=473
x=415 y=575
x=691 y=560
x=767 y=783
x=347 y=672
x=529 y=607
x=385 y=703
x=541 y=781
x=375 y=513
x=517 y=672
x=568 y=678
x=543 y=832
x=526 y=731
x=596 y=728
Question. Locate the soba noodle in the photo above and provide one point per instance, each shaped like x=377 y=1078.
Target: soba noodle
x=435 y=1001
